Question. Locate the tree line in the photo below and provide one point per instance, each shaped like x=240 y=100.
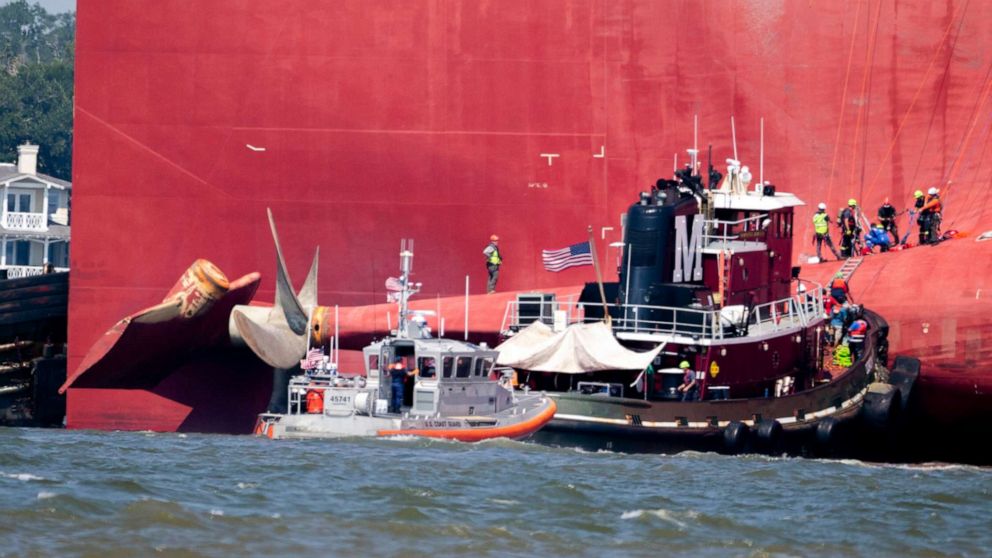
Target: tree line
x=36 y=84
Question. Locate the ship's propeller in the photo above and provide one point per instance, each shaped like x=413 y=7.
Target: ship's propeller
x=278 y=335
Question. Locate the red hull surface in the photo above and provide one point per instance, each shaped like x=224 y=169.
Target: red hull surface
x=363 y=122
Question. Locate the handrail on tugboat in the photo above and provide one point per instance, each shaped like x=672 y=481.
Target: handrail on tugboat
x=799 y=310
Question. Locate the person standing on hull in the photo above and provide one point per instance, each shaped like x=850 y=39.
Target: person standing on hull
x=821 y=231
x=933 y=209
x=848 y=222
x=397 y=375
x=493 y=262
x=887 y=218
x=921 y=218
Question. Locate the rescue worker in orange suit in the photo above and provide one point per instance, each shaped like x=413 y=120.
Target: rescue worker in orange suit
x=932 y=209
x=821 y=231
x=315 y=401
x=398 y=375
x=839 y=289
x=493 y=262
x=921 y=219
x=887 y=218
x=848 y=223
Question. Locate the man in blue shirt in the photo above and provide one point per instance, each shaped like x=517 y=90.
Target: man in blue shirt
x=397 y=375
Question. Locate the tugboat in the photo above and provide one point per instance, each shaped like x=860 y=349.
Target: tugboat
x=709 y=340
x=456 y=393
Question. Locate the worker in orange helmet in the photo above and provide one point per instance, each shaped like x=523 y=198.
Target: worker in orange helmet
x=887 y=218
x=493 y=262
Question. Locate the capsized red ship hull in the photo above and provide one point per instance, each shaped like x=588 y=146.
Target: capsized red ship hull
x=363 y=122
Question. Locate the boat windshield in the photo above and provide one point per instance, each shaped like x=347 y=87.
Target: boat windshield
x=463 y=367
x=483 y=366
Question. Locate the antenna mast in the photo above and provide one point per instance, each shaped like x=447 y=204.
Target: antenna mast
x=733 y=136
x=408 y=289
x=761 y=159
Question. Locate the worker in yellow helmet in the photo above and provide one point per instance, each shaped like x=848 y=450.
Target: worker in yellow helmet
x=850 y=230
x=922 y=217
x=689 y=387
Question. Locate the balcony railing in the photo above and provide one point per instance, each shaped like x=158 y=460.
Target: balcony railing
x=20 y=221
x=17 y=271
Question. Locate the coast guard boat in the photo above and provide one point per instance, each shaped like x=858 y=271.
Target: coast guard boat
x=455 y=393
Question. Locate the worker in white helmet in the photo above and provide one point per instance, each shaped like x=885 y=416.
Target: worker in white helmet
x=821 y=231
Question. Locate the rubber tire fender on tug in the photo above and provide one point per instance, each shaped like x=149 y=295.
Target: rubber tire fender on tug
x=882 y=406
x=770 y=436
x=828 y=432
x=735 y=437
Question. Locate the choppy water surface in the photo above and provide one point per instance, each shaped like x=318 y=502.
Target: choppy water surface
x=135 y=494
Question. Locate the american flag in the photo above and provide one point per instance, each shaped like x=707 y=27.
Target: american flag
x=313 y=359
x=395 y=287
x=576 y=254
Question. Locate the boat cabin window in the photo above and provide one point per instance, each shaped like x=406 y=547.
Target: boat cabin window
x=482 y=366
x=448 y=366
x=463 y=367
x=427 y=367
x=373 y=363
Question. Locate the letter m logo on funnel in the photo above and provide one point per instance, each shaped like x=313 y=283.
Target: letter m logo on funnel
x=688 y=251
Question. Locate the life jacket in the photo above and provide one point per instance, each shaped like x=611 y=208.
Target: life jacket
x=820 y=224
x=494 y=258
x=315 y=402
x=842 y=356
x=932 y=204
x=858 y=330
x=839 y=283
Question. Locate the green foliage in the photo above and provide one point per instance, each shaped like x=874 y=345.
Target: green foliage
x=36 y=85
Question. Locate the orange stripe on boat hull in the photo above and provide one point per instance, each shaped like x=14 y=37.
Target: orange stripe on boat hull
x=518 y=430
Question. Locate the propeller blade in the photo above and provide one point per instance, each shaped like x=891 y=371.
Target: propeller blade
x=308 y=294
x=286 y=300
x=274 y=343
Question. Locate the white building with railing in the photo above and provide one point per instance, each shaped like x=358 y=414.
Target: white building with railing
x=34 y=222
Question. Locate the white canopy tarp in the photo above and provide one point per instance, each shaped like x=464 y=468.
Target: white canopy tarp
x=580 y=348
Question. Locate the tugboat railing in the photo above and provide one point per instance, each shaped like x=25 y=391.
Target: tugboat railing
x=797 y=310
x=725 y=231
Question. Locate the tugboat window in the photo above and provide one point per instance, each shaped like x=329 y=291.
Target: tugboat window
x=448 y=361
x=463 y=367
